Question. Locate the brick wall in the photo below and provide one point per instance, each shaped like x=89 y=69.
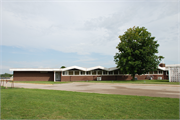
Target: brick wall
x=78 y=78
x=38 y=76
x=33 y=76
x=104 y=78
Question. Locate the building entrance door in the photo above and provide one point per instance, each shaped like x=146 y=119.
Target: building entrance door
x=58 y=76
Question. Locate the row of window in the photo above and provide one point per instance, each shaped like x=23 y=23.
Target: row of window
x=101 y=72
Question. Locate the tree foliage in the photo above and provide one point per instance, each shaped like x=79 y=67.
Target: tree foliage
x=63 y=67
x=137 y=52
x=6 y=75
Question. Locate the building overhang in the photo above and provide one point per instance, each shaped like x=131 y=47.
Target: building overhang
x=73 y=67
x=34 y=69
x=82 y=68
x=162 y=68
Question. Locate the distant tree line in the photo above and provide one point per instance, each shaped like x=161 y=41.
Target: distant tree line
x=6 y=75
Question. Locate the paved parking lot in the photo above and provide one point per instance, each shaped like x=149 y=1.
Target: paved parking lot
x=154 y=90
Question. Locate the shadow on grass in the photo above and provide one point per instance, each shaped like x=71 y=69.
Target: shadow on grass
x=160 y=81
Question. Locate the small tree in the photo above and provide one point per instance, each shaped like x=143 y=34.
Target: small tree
x=63 y=67
x=137 y=51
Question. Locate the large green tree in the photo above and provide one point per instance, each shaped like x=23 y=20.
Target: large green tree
x=137 y=52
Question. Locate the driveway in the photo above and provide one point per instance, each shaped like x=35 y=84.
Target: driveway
x=153 y=90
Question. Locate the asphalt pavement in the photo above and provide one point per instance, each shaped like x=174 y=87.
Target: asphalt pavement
x=153 y=90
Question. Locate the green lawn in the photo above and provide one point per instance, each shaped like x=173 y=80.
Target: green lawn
x=41 y=82
x=138 y=82
x=19 y=103
x=109 y=81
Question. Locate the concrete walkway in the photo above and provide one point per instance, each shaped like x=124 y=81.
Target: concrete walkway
x=153 y=90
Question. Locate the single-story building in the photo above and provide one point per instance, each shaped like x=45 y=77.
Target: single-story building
x=75 y=73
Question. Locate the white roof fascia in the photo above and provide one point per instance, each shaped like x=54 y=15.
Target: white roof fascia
x=96 y=67
x=161 y=68
x=174 y=65
x=34 y=69
x=112 y=68
x=168 y=66
x=73 y=67
x=57 y=70
x=81 y=68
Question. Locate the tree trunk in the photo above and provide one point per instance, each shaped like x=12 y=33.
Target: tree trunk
x=133 y=79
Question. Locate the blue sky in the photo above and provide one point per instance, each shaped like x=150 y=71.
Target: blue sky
x=53 y=33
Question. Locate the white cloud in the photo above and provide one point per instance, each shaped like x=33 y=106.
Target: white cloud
x=85 y=59
x=86 y=27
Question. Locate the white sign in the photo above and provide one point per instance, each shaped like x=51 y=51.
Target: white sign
x=174 y=74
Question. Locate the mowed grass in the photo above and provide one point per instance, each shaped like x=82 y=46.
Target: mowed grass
x=19 y=103
x=137 y=82
x=41 y=82
x=109 y=81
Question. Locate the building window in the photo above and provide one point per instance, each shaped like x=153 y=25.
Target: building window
x=77 y=72
x=151 y=72
x=167 y=73
x=104 y=72
x=110 y=72
x=99 y=72
x=65 y=73
x=155 y=72
x=93 y=72
x=160 y=71
x=88 y=73
x=82 y=72
x=71 y=72
x=116 y=72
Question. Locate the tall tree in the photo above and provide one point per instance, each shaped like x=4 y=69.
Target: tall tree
x=137 y=52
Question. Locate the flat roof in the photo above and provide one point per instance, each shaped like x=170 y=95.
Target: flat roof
x=82 y=68
x=34 y=69
x=173 y=65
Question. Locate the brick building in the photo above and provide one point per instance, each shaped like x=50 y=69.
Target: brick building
x=75 y=73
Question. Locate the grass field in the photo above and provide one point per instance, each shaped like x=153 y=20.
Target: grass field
x=19 y=103
x=138 y=82
x=110 y=81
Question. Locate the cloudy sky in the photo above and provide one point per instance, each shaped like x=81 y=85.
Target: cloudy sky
x=53 y=33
